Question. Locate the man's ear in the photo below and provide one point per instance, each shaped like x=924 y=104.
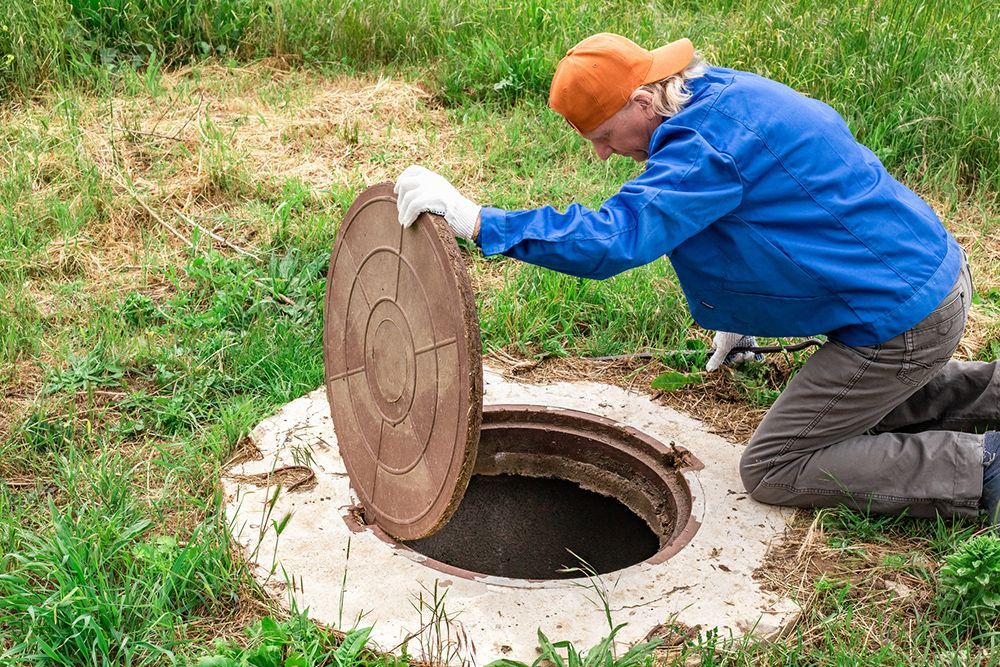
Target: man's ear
x=644 y=99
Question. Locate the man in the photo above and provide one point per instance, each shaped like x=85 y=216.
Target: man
x=777 y=223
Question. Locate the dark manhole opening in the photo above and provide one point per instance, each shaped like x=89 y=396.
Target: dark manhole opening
x=531 y=527
x=556 y=489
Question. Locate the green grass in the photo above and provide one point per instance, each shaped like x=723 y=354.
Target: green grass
x=109 y=556
x=295 y=642
x=916 y=81
x=100 y=586
x=558 y=314
x=133 y=365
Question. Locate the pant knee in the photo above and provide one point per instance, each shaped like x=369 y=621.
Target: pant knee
x=752 y=473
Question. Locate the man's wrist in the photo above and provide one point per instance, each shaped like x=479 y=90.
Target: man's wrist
x=465 y=219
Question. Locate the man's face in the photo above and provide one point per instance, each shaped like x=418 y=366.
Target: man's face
x=627 y=132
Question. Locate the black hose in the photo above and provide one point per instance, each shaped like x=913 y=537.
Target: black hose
x=757 y=349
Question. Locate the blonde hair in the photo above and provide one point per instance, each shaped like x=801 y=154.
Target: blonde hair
x=671 y=94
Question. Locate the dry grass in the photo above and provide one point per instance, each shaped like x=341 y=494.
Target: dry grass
x=251 y=605
x=210 y=142
x=325 y=132
x=23 y=385
x=205 y=145
x=717 y=401
x=886 y=583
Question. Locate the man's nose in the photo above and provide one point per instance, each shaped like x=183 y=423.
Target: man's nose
x=603 y=150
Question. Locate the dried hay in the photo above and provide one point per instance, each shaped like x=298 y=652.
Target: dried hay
x=888 y=601
x=230 y=624
x=339 y=137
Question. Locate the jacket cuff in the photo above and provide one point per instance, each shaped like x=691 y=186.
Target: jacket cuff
x=492 y=230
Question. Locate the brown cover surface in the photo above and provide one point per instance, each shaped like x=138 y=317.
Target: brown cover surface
x=403 y=362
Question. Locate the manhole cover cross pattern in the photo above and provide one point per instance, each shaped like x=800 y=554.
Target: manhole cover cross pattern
x=403 y=364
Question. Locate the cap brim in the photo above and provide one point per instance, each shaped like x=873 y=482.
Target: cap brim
x=670 y=59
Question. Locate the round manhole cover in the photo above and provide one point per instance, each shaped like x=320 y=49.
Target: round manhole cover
x=403 y=363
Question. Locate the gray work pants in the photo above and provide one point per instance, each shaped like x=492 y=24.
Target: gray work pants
x=884 y=428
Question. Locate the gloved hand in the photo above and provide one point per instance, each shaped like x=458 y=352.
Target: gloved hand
x=418 y=190
x=723 y=343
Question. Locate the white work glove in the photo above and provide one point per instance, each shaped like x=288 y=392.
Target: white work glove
x=418 y=190
x=723 y=343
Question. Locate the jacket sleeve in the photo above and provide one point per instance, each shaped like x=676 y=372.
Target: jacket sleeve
x=686 y=186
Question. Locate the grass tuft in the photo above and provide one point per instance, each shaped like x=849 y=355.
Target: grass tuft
x=969 y=584
x=96 y=585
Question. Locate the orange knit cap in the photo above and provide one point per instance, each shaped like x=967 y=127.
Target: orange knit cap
x=597 y=76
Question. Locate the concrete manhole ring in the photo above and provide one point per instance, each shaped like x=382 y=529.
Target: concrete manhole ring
x=342 y=573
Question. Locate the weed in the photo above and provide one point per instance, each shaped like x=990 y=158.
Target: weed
x=441 y=638
x=692 y=355
x=671 y=380
x=603 y=653
x=758 y=384
x=294 y=642
x=96 y=368
x=990 y=351
x=89 y=583
x=221 y=164
x=860 y=526
x=140 y=311
x=44 y=433
x=564 y=654
x=969 y=583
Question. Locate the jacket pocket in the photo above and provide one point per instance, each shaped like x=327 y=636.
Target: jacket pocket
x=757 y=266
x=777 y=316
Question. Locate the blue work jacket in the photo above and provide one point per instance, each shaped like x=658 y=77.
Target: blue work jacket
x=776 y=220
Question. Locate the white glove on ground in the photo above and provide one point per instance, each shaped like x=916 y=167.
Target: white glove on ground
x=418 y=190
x=723 y=343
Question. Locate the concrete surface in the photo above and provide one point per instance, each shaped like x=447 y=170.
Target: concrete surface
x=348 y=578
